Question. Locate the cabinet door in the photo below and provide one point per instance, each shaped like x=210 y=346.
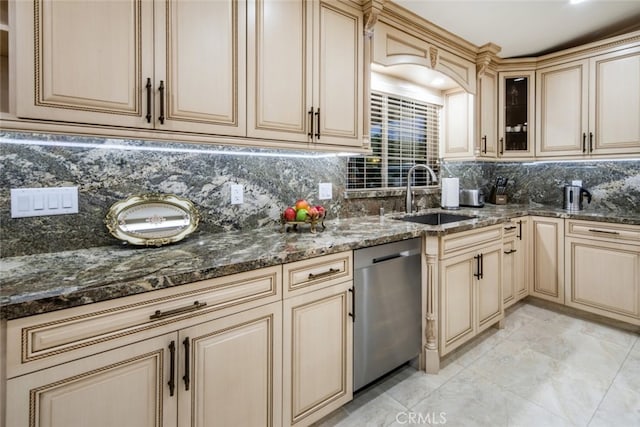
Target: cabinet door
x=604 y=278
x=279 y=69
x=231 y=370
x=516 y=114
x=489 y=285
x=317 y=357
x=548 y=258
x=458 y=117
x=122 y=387
x=562 y=114
x=614 y=102
x=509 y=272
x=201 y=61
x=457 y=295
x=338 y=75
x=522 y=268
x=85 y=62
x=488 y=114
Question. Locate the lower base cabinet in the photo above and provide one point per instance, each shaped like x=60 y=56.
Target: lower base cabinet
x=318 y=348
x=219 y=373
x=603 y=269
x=126 y=386
x=470 y=287
x=547 y=236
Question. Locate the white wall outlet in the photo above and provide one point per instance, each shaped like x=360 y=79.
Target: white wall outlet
x=577 y=182
x=237 y=194
x=325 y=191
x=26 y=202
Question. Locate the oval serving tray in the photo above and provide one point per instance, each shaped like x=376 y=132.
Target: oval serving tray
x=152 y=219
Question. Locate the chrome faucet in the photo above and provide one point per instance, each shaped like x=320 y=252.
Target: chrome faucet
x=409 y=200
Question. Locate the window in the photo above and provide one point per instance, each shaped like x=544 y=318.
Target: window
x=404 y=132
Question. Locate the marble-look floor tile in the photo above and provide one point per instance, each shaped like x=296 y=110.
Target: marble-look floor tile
x=570 y=345
x=474 y=349
x=557 y=387
x=371 y=408
x=470 y=399
x=410 y=386
x=629 y=374
x=620 y=407
x=536 y=312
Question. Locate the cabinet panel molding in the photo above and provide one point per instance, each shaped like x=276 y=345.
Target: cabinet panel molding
x=548 y=258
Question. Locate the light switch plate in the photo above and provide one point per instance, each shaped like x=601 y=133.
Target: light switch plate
x=325 y=191
x=237 y=194
x=577 y=182
x=27 y=202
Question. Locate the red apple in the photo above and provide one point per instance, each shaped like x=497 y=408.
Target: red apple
x=289 y=214
x=321 y=211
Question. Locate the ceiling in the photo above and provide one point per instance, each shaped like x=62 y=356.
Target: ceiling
x=529 y=27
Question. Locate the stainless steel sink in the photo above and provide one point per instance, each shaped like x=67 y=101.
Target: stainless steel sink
x=436 y=218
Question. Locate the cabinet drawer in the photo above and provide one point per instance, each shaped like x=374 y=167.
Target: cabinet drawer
x=605 y=231
x=315 y=273
x=509 y=229
x=44 y=340
x=461 y=242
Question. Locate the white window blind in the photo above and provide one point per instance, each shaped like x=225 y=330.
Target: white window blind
x=404 y=132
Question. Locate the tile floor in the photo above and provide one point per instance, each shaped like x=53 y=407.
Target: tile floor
x=543 y=369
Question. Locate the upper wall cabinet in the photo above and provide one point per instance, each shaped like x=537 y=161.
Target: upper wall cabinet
x=515 y=114
x=458 y=132
x=94 y=64
x=392 y=46
x=305 y=72
x=488 y=113
x=591 y=106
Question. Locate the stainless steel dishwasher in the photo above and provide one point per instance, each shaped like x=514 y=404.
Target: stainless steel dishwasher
x=387 y=324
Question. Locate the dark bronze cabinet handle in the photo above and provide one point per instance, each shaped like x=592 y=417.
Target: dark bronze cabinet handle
x=172 y=370
x=477 y=275
x=510 y=251
x=481 y=266
x=148 y=86
x=591 y=142
x=511 y=227
x=484 y=141
x=161 y=315
x=501 y=145
x=326 y=273
x=161 y=90
x=187 y=375
x=353 y=303
x=520 y=225
x=310 y=134
x=584 y=142
x=614 y=233
x=318 y=123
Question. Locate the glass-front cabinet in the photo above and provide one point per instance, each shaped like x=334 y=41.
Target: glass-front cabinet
x=516 y=114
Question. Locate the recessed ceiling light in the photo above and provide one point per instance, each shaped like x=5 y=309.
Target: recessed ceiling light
x=439 y=81
x=576 y=1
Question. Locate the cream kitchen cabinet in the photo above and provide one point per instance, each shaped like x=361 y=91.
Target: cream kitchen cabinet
x=318 y=337
x=458 y=129
x=305 y=72
x=470 y=285
x=101 y=63
x=515 y=265
x=602 y=273
x=547 y=239
x=488 y=113
x=196 y=355
x=516 y=114
x=578 y=111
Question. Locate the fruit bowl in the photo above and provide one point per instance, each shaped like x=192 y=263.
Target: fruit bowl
x=302 y=213
x=286 y=226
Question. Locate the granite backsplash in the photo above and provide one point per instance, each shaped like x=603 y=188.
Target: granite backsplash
x=108 y=170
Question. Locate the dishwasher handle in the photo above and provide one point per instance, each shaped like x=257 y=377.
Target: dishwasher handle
x=390 y=257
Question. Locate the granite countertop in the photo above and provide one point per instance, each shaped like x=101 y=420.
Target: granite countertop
x=42 y=283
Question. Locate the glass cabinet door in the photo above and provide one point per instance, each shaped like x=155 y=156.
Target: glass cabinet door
x=516 y=114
